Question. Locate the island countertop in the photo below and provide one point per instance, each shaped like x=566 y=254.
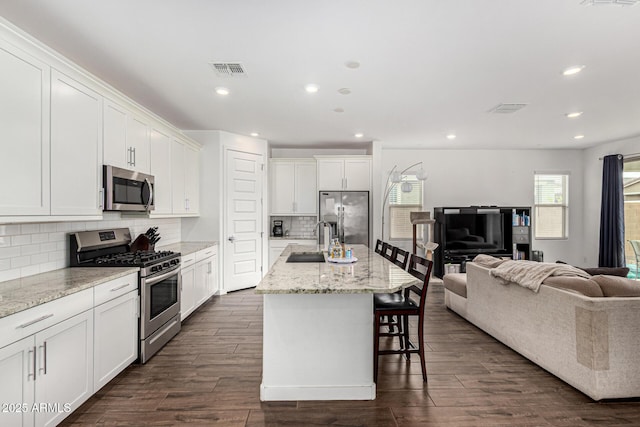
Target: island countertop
x=370 y=274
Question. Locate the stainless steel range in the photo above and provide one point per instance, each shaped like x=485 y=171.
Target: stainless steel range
x=159 y=281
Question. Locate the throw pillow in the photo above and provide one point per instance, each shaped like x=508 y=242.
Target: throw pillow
x=609 y=271
x=587 y=287
x=615 y=286
x=488 y=261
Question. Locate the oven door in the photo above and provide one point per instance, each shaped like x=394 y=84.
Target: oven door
x=160 y=300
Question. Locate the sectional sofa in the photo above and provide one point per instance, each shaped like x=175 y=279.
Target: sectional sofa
x=590 y=342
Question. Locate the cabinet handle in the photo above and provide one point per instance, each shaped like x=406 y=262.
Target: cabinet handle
x=117 y=288
x=101 y=198
x=129 y=156
x=39 y=319
x=44 y=358
x=134 y=157
x=33 y=364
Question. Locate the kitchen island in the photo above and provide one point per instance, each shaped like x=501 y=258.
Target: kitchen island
x=318 y=325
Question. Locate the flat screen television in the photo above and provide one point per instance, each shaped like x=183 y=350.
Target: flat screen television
x=475 y=233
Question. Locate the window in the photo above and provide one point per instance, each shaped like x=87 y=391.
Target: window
x=401 y=203
x=631 y=183
x=551 y=193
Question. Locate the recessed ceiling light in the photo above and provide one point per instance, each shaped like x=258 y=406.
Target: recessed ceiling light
x=222 y=90
x=573 y=70
x=339 y=110
x=574 y=114
x=451 y=136
x=344 y=91
x=311 y=88
x=578 y=137
x=254 y=134
x=352 y=64
x=359 y=135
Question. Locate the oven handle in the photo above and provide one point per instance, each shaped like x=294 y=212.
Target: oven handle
x=155 y=279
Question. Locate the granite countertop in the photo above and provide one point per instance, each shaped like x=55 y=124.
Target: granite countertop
x=370 y=274
x=21 y=294
x=187 y=248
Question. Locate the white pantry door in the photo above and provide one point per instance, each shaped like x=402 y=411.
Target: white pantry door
x=243 y=222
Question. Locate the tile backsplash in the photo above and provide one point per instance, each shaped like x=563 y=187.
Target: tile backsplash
x=28 y=249
x=298 y=226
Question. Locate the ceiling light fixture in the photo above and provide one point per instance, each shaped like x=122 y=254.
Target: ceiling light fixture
x=574 y=114
x=578 y=137
x=311 y=88
x=359 y=135
x=451 y=136
x=338 y=110
x=222 y=90
x=344 y=91
x=254 y=134
x=573 y=70
x=352 y=64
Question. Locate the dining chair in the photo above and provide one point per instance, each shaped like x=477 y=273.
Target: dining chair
x=378 y=248
x=387 y=250
x=404 y=306
x=400 y=257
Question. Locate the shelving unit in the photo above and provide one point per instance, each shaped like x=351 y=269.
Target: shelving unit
x=516 y=233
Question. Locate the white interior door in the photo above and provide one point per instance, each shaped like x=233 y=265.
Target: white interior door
x=243 y=220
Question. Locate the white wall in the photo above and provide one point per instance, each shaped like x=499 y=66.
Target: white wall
x=592 y=179
x=496 y=177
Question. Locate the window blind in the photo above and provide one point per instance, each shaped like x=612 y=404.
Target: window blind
x=551 y=206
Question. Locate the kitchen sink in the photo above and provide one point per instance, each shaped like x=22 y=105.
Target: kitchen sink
x=306 y=257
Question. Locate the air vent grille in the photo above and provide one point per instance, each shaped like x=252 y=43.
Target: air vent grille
x=507 y=108
x=614 y=2
x=228 y=69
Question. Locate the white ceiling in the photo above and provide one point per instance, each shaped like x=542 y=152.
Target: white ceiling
x=428 y=67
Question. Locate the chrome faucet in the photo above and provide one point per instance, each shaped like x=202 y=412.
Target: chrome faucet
x=325 y=224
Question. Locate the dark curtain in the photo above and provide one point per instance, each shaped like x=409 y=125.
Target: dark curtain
x=612 y=214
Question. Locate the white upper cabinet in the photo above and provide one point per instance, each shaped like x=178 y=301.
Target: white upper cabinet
x=126 y=138
x=76 y=148
x=24 y=133
x=160 y=167
x=185 y=170
x=344 y=173
x=292 y=187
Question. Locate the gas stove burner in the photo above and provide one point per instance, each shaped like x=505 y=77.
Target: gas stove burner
x=133 y=258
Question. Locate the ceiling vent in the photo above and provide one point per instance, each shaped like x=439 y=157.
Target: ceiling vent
x=507 y=108
x=228 y=69
x=614 y=2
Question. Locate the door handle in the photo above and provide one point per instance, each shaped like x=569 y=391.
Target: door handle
x=232 y=239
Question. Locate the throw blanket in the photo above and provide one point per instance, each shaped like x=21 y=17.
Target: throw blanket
x=531 y=274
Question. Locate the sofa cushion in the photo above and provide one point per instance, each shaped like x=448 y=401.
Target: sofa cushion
x=615 y=286
x=488 y=261
x=587 y=287
x=456 y=283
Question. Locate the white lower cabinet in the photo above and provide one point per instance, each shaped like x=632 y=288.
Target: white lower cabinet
x=49 y=374
x=199 y=279
x=116 y=337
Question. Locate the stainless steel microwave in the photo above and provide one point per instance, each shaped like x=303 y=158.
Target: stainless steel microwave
x=127 y=190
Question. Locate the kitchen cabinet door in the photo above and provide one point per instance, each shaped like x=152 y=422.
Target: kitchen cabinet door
x=138 y=143
x=192 y=180
x=160 y=167
x=187 y=294
x=115 y=135
x=357 y=174
x=330 y=174
x=76 y=148
x=116 y=337
x=282 y=187
x=24 y=131
x=212 y=280
x=306 y=193
x=64 y=366
x=203 y=270
x=17 y=371
x=178 y=200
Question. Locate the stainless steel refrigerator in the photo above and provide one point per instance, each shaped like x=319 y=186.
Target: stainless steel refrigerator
x=347 y=212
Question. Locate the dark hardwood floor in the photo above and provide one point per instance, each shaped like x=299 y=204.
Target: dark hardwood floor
x=210 y=375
